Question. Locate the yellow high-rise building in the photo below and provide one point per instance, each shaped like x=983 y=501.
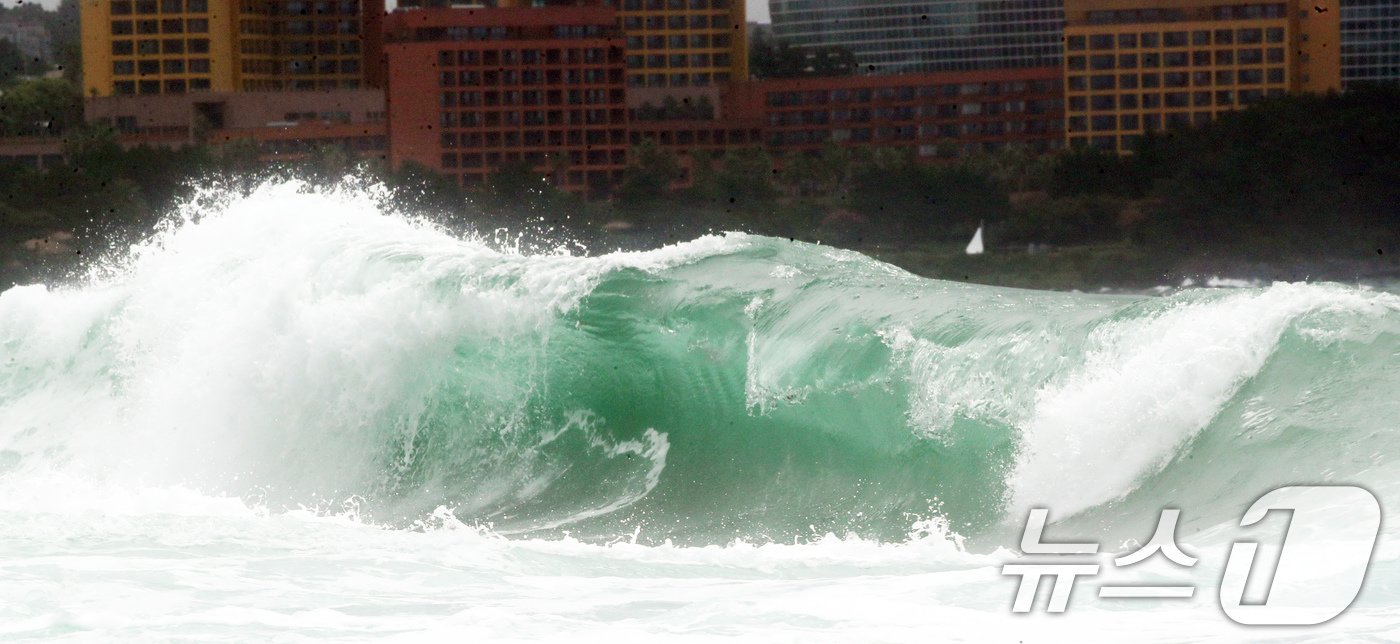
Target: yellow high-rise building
x=146 y=47
x=685 y=43
x=1136 y=66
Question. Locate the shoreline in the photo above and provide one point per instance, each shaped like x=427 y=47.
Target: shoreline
x=1122 y=267
x=1102 y=268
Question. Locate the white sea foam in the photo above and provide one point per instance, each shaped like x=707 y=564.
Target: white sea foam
x=146 y=418
x=1148 y=385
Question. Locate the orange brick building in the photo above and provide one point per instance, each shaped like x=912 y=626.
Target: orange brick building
x=470 y=90
x=286 y=125
x=935 y=114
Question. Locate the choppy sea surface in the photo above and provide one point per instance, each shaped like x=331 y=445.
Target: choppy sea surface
x=296 y=416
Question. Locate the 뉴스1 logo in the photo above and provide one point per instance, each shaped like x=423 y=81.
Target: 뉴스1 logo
x=1281 y=594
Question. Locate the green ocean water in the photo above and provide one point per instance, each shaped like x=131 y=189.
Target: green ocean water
x=297 y=370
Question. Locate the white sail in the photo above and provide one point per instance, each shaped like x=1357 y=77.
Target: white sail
x=974 y=247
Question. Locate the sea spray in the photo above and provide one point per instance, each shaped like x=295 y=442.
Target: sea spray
x=296 y=347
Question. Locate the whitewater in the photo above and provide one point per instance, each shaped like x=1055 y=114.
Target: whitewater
x=298 y=414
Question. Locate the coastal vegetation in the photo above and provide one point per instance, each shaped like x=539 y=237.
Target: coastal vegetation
x=1294 y=187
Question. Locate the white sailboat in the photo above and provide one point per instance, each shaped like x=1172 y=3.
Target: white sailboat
x=974 y=247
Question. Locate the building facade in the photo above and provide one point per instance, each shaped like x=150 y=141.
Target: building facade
x=1133 y=67
x=471 y=90
x=671 y=44
x=1370 y=41
x=680 y=44
x=932 y=115
x=927 y=35
x=149 y=47
x=284 y=125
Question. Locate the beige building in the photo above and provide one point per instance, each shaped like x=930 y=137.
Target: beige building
x=1136 y=66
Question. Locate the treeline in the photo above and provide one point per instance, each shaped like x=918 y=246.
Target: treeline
x=1306 y=175
x=1303 y=176
x=64 y=37
x=1293 y=177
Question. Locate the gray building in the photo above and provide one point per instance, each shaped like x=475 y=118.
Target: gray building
x=1370 y=41
x=896 y=36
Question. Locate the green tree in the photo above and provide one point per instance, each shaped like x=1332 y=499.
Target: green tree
x=647 y=181
x=40 y=107
x=12 y=63
x=745 y=182
x=770 y=58
x=1083 y=219
x=517 y=190
x=912 y=200
x=1087 y=170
